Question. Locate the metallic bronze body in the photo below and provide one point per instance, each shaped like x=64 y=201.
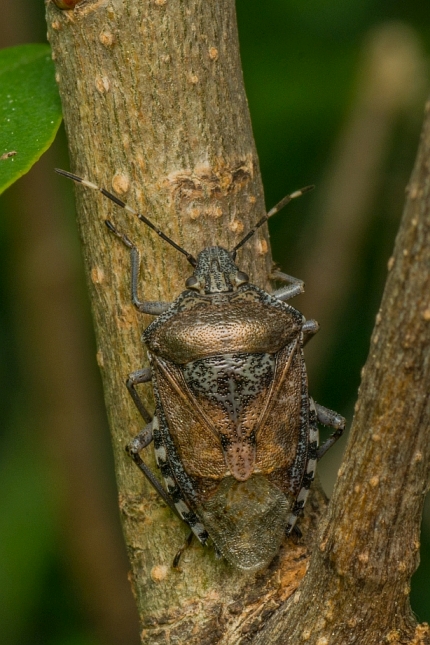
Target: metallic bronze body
x=232 y=403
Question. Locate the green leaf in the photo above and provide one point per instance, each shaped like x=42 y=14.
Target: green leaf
x=30 y=109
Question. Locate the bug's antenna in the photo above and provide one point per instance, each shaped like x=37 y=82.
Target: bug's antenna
x=191 y=259
x=273 y=211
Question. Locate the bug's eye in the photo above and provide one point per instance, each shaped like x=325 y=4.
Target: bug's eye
x=241 y=278
x=192 y=283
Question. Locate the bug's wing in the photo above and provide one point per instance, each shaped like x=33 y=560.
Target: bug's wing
x=282 y=430
x=242 y=410
x=247 y=519
x=231 y=389
x=193 y=433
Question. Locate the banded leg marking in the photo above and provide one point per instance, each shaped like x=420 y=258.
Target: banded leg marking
x=173 y=497
x=311 y=466
x=173 y=491
x=142 y=440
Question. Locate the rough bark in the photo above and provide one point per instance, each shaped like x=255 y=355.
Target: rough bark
x=155 y=108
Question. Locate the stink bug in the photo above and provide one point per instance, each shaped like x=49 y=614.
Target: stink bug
x=235 y=431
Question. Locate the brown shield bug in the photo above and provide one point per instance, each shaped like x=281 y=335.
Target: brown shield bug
x=235 y=431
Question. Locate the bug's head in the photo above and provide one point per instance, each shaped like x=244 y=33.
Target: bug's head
x=216 y=272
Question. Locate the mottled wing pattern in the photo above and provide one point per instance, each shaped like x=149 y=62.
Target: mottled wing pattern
x=231 y=390
x=234 y=426
x=238 y=411
x=195 y=438
x=282 y=434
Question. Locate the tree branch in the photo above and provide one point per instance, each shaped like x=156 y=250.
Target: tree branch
x=155 y=108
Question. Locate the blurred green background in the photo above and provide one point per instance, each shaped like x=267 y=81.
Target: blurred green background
x=336 y=92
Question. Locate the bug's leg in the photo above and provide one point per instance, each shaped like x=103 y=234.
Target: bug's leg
x=145 y=307
x=140 y=442
x=145 y=437
x=185 y=546
x=309 y=329
x=295 y=534
x=141 y=376
x=334 y=420
x=295 y=286
x=284 y=277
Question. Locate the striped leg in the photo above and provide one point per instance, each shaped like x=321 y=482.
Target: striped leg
x=173 y=497
x=141 y=441
x=174 y=490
